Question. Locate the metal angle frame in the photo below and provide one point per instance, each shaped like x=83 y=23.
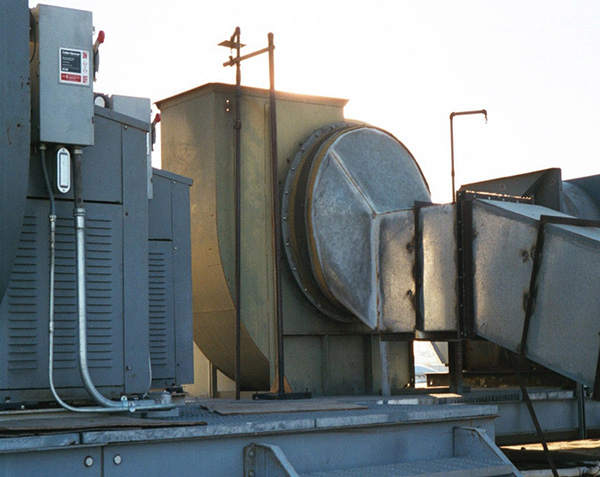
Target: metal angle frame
x=464 y=225
x=466 y=271
x=418 y=268
x=466 y=235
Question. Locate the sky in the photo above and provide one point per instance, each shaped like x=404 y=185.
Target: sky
x=403 y=65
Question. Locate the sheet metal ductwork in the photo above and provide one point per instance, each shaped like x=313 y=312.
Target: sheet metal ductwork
x=322 y=355
x=341 y=185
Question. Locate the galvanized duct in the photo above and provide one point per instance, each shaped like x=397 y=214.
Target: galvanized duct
x=348 y=189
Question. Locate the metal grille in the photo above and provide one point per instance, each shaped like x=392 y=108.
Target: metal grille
x=157 y=277
x=22 y=297
x=100 y=295
x=100 y=282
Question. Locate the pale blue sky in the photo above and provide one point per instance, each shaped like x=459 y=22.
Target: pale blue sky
x=404 y=66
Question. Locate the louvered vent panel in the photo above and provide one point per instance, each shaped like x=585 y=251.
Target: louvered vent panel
x=158 y=308
x=99 y=294
x=22 y=296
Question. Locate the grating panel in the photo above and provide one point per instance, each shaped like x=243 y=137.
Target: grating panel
x=160 y=283
x=24 y=312
x=454 y=466
x=22 y=297
x=158 y=308
x=100 y=294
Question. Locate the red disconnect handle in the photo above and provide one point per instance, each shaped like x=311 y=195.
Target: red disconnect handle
x=156 y=118
x=101 y=37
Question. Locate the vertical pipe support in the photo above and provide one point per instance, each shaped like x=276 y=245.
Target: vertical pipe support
x=238 y=222
x=276 y=222
x=452 y=171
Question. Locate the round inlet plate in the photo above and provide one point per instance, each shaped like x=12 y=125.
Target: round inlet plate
x=343 y=179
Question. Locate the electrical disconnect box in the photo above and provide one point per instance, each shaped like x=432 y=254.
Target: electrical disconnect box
x=62 y=76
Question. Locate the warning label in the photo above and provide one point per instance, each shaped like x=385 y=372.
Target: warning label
x=74 y=66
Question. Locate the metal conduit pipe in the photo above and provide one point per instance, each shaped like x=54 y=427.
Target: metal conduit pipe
x=124 y=405
x=79 y=215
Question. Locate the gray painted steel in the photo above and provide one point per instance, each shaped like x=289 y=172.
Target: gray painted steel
x=170 y=281
x=312 y=441
x=114 y=180
x=15 y=127
x=388 y=432
x=24 y=310
x=62 y=112
x=474 y=454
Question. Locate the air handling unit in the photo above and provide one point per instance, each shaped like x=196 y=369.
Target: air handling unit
x=370 y=264
x=327 y=350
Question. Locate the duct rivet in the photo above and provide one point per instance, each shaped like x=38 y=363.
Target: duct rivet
x=88 y=461
x=251 y=453
x=251 y=473
x=117 y=459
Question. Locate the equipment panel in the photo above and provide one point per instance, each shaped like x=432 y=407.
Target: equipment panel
x=62 y=76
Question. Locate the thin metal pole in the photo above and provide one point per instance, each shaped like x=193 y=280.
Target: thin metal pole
x=452 y=174
x=238 y=223
x=455 y=367
x=235 y=41
x=532 y=414
x=581 y=424
x=239 y=59
x=452 y=171
x=276 y=217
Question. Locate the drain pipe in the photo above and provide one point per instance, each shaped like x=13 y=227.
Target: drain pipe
x=123 y=405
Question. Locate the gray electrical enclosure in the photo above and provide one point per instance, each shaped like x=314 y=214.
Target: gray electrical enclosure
x=62 y=76
x=115 y=198
x=170 y=280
